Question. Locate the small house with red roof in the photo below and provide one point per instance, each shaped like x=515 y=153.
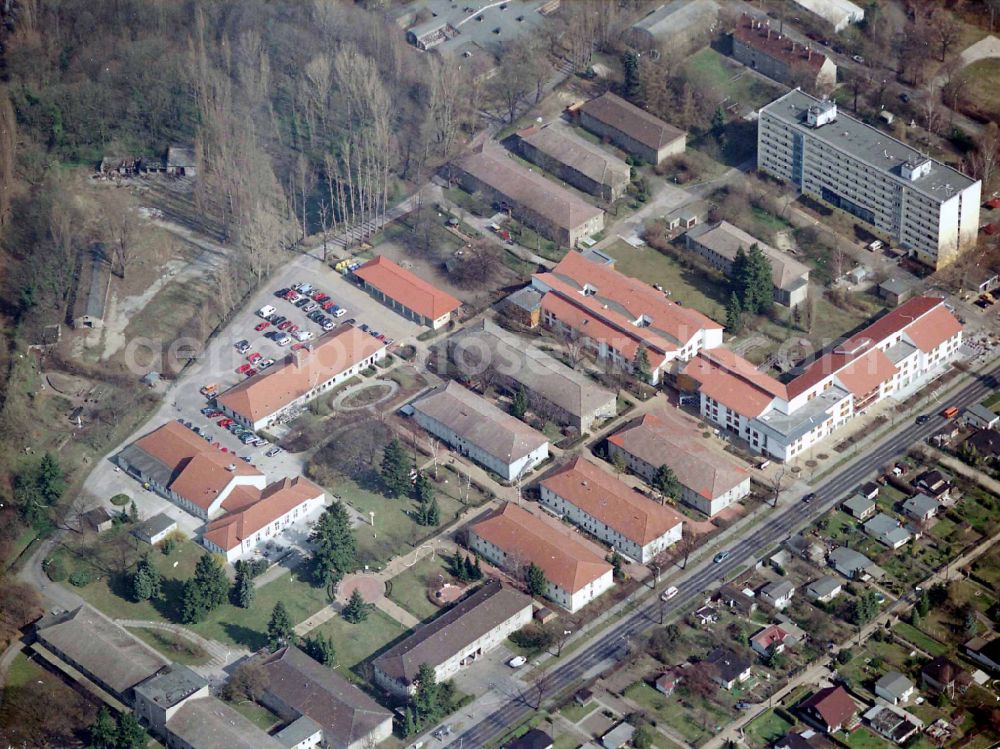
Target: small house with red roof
x=831 y=709
x=406 y=293
x=772 y=639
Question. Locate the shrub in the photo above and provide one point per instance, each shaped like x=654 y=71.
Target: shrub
x=80 y=578
x=55 y=570
x=120 y=500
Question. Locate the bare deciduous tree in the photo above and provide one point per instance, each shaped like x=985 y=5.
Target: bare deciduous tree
x=8 y=157
x=120 y=228
x=945 y=31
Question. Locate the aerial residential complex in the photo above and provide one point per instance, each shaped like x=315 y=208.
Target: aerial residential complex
x=894 y=356
x=927 y=207
x=406 y=293
x=591 y=498
x=614 y=316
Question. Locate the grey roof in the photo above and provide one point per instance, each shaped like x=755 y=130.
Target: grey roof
x=618 y=736
x=678 y=17
x=899 y=285
x=172 y=686
x=480 y=423
x=858 y=504
x=869 y=145
x=982 y=412
x=894 y=683
x=778 y=589
x=726 y=239
x=833 y=11
x=182 y=156
x=527 y=189
x=886 y=529
x=439 y=639
x=533 y=739
x=208 y=723
x=728 y=663
x=850 y=560
x=562 y=145
x=459 y=18
x=529 y=298
x=150 y=467
x=155 y=525
x=920 y=504
x=298 y=730
x=530 y=367
x=899 y=351
x=600 y=257
x=823 y=586
x=635 y=122
x=789 y=427
x=345 y=713
x=101 y=648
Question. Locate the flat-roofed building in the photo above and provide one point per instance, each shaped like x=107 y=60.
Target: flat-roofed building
x=613 y=315
x=210 y=723
x=710 y=480
x=103 y=651
x=539 y=203
x=574 y=160
x=406 y=293
x=157 y=700
x=513 y=538
x=298 y=686
x=567 y=396
x=464 y=633
x=719 y=243
x=766 y=50
x=253 y=516
x=838 y=13
x=592 y=499
x=927 y=207
x=155 y=529
x=306 y=373
x=186 y=469
x=475 y=427
x=632 y=129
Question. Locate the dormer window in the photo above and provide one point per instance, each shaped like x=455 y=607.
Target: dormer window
x=643 y=321
x=589 y=290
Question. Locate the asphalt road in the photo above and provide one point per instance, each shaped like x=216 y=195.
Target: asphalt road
x=615 y=639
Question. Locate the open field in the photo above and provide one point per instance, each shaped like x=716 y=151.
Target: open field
x=357 y=642
x=694 y=724
x=409 y=588
x=981 y=94
x=176 y=648
x=767 y=728
x=716 y=76
x=688 y=286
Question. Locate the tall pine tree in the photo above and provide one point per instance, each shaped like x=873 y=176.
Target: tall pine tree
x=146 y=582
x=734 y=314
x=536 y=581
x=280 y=630
x=356 y=609
x=519 y=404
x=244 y=591
x=665 y=481
x=395 y=469
x=334 y=548
x=640 y=364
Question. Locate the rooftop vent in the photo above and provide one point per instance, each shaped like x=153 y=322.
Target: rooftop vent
x=821 y=113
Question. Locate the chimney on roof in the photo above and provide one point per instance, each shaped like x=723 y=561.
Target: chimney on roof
x=231 y=468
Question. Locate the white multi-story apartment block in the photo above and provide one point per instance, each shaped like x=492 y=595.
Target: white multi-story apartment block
x=893 y=356
x=927 y=207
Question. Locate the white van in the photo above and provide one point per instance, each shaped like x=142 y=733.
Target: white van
x=266 y=310
x=303 y=335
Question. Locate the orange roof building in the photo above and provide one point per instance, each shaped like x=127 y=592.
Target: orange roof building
x=306 y=373
x=894 y=356
x=408 y=294
x=182 y=466
x=710 y=480
x=513 y=538
x=615 y=315
x=253 y=515
x=593 y=499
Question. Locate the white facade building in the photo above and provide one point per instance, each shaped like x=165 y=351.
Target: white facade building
x=927 y=207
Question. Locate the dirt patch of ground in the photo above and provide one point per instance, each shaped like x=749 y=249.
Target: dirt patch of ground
x=371 y=588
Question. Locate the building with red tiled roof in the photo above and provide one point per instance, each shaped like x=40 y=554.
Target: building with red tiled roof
x=253 y=515
x=306 y=373
x=758 y=46
x=593 y=499
x=769 y=640
x=710 y=480
x=831 y=708
x=183 y=467
x=615 y=315
x=408 y=294
x=513 y=538
x=894 y=356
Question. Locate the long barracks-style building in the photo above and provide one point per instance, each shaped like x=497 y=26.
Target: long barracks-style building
x=924 y=205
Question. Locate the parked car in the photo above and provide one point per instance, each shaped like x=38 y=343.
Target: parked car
x=858 y=58
x=254 y=357
x=243 y=346
x=264 y=364
x=310 y=307
x=349 y=322
x=263 y=325
x=282 y=339
x=285 y=325
x=328 y=324
x=517 y=661
x=669 y=593
x=243 y=369
x=303 y=335
x=303 y=302
x=206 y=410
x=279 y=321
x=721 y=557
x=273 y=451
x=364 y=327
x=328 y=305
x=338 y=312
x=224 y=422
x=265 y=311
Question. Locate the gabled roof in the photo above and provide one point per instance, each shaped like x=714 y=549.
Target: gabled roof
x=619 y=301
x=662 y=437
x=759 y=35
x=737 y=392
x=942 y=670
x=612 y=502
x=248 y=509
x=563 y=556
x=209 y=723
x=728 y=663
x=345 y=713
x=406 y=288
x=559 y=143
x=894 y=683
x=823 y=586
x=769 y=636
x=264 y=394
x=436 y=641
x=101 y=648
x=920 y=504
x=480 y=423
x=866 y=373
x=726 y=240
x=636 y=123
x=833 y=705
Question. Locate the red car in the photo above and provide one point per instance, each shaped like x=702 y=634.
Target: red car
x=261 y=325
x=251 y=372
x=243 y=369
x=293 y=330
x=214 y=414
x=225 y=422
x=297 y=346
x=319 y=296
x=285 y=325
x=291 y=295
x=254 y=357
x=328 y=305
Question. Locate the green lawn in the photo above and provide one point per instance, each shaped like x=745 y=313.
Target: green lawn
x=356 y=642
x=176 y=648
x=409 y=588
x=767 y=728
x=21 y=671
x=675 y=714
x=717 y=77
x=691 y=287
x=993 y=402
x=862 y=738
x=257 y=714
x=575 y=713
x=923 y=641
x=982 y=90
